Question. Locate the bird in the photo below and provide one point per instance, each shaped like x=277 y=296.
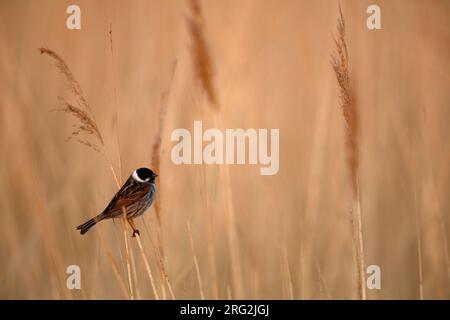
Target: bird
x=132 y=200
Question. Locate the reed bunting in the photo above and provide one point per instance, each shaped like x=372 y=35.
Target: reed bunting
x=133 y=199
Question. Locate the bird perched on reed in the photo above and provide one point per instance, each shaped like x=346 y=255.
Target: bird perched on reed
x=132 y=200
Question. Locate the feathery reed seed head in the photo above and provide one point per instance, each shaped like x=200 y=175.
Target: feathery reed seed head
x=339 y=62
x=81 y=110
x=200 y=53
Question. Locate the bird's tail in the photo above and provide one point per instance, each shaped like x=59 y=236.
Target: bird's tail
x=89 y=224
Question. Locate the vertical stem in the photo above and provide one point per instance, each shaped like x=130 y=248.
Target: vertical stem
x=360 y=245
x=111 y=167
x=290 y=288
x=419 y=254
x=130 y=282
x=197 y=269
x=156 y=155
x=134 y=273
x=444 y=233
x=114 y=267
x=161 y=265
x=210 y=235
x=160 y=246
x=235 y=258
x=116 y=109
x=147 y=266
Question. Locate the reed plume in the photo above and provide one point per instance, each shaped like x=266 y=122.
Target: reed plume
x=80 y=111
x=340 y=64
x=156 y=164
x=156 y=148
x=87 y=124
x=203 y=67
x=71 y=82
x=200 y=53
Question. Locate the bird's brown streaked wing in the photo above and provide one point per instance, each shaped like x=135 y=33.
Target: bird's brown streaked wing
x=125 y=197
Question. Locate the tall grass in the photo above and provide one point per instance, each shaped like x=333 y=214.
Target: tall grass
x=115 y=98
x=194 y=255
x=247 y=66
x=340 y=64
x=203 y=68
x=200 y=52
x=156 y=165
x=89 y=128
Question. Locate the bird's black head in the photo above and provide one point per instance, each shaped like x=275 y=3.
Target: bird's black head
x=144 y=175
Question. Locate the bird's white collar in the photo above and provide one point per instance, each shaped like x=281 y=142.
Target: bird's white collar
x=136 y=177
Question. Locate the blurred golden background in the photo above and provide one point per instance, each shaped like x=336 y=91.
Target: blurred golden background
x=251 y=236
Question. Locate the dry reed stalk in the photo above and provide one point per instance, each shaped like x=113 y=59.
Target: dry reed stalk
x=301 y=268
x=203 y=67
x=232 y=236
x=86 y=124
x=40 y=207
x=127 y=252
x=116 y=272
x=134 y=274
x=50 y=248
x=283 y=278
x=230 y=217
x=116 y=124
x=95 y=271
x=433 y=184
x=417 y=223
x=340 y=64
x=29 y=242
x=161 y=264
x=254 y=278
x=116 y=109
x=323 y=288
x=308 y=220
x=89 y=126
x=117 y=245
x=156 y=165
x=440 y=187
x=200 y=52
x=29 y=172
x=209 y=234
x=429 y=204
x=419 y=254
x=286 y=283
x=122 y=286
x=147 y=266
x=229 y=295
x=197 y=269
x=289 y=286
x=405 y=140
x=81 y=111
x=182 y=276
